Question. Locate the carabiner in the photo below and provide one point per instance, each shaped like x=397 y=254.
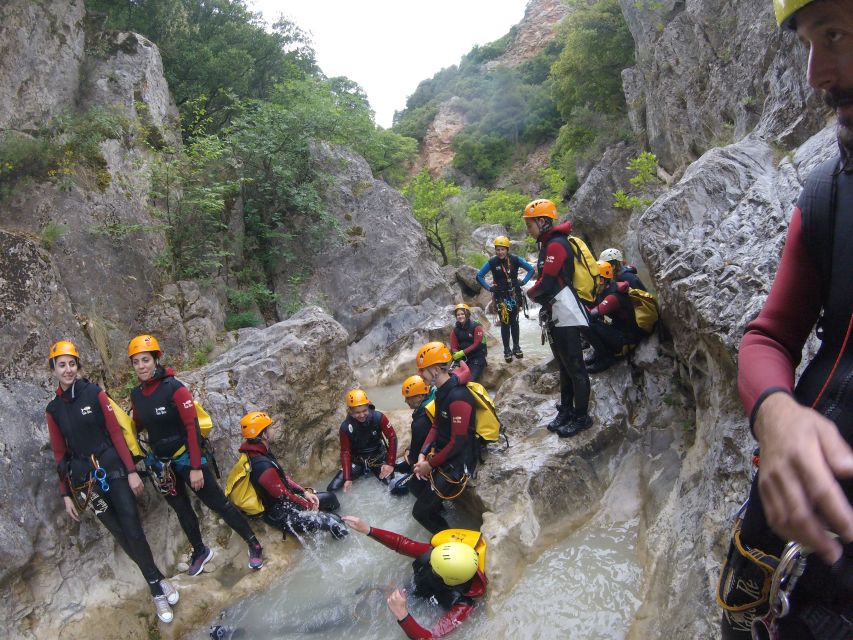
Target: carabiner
x=101 y=477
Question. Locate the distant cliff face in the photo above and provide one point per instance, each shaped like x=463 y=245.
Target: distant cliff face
x=534 y=30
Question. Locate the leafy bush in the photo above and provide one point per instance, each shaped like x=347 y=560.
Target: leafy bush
x=501 y=207
x=241 y=320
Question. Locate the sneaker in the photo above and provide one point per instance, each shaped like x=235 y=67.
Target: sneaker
x=172 y=595
x=256 y=556
x=507 y=355
x=164 y=611
x=518 y=353
x=199 y=559
x=577 y=424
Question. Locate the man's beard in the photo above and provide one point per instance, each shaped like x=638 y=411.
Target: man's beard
x=835 y=98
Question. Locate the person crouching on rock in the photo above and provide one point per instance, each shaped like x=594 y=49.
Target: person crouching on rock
x=449 y=574
x=96 y=468
x=368 y=443
x=287 y=506
x=163 y=406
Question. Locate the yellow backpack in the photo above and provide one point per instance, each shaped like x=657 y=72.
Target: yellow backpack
x=645 y=309
x=486 y=422
x=128 y=429
x=473 y=539
x=585 y=276
x=240 y=490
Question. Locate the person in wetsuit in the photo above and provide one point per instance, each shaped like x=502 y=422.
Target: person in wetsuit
x=163 y=407
x=368 y=443
x=86 y=440
x=449 y=574
x=417 y=394
x=468 y=341
x=287 y=506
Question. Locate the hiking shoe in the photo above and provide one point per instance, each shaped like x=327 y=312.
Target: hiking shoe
x=172 y=595
x=564 y=417
x=507 y=355
x=339 y=530
x=601 y=364
x=518 y=353
x=164 y=611
x=199 y=559
x=577 y=424
x=588 y=360
x=256 y=555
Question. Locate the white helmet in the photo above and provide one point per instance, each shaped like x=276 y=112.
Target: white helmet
x=610 y=255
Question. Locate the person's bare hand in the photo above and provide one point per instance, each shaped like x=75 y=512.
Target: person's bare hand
x=397 y=604
x=802 y=458
x=70 y=509
x=135 y=483
x=357 y=524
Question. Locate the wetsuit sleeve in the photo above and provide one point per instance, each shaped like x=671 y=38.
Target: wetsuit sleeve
x=481 y=275
x=57 y=443
x=478 y=339
x=398 y=543
x=528 y=267
x=186 y=409
x=391 y=437
x=116 y=434
x=346 y=454
x=278 y=490
x=445 y=625
x=557 y=259
x=460 y=418
x=609 y=306
x=454 y=343
x=773 y=343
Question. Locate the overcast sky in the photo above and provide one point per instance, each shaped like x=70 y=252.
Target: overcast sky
x=389 y=46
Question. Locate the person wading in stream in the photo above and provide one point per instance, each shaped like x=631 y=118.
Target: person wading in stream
x=448 y=574
x=554 y=269
x=368 y=443
x=447 y=457
x=96 y=468
x=506 y=291
x=468 y=340
x=163 y=407
x=804 y=486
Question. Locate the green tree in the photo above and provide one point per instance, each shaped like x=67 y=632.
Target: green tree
x=501 y=207
x=645 y=178
x=430 y=199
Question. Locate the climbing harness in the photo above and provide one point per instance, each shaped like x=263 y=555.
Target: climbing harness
x=162 y=475
x=82 y=495
x=461 y=482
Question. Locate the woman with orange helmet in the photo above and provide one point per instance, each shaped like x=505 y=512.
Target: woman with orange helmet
x=287 y=506
x=163 y=407
x=417 y=394
x=368 y=443
x=96 y=469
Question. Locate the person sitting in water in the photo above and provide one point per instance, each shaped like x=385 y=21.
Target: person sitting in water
x=450 y=573
x=363 y=448
x=287 y=506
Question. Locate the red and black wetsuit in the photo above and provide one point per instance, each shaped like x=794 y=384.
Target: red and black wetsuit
x=457 y=613
x=452 y=442
x=81 y=423
x=470 y=338
x=770 y=352
x=610 y=339
x=554 y=268
x=163 y=407
x=363 y=447
x=285 y=504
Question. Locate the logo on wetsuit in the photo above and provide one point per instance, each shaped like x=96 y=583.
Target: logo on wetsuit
x=86 y=411
x=160 y=411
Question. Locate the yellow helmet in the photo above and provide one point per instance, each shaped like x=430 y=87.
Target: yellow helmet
x=143 y=343
x=357 y=398
x=502 y=241
x=785 y=10
x=541 y=208
x=462 y=306
x=454 y=562
x=605 y=269
x=432 y=353
x=253 y=423
x=63 y=348
x=414 y=386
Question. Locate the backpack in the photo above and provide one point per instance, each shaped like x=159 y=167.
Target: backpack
x=128 y=429
x=585 y=273
x=240 y=490
x=646 y=311
x=487 y=425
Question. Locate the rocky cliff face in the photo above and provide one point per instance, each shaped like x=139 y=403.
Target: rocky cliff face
x=436 y=154
x=535 y=29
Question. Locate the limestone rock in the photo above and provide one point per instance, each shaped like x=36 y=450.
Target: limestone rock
x=436 y=153
x=485 y=235
x=190 y=315
x=531 y=34
x=380 y=260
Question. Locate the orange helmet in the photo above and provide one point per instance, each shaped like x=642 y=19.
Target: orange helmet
x=141 y=344
x=605 y=269
x=254 y=423
x=432 y=353
x=541 y=208
x=414 y=386
x=357 y=398
x=63 y=348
